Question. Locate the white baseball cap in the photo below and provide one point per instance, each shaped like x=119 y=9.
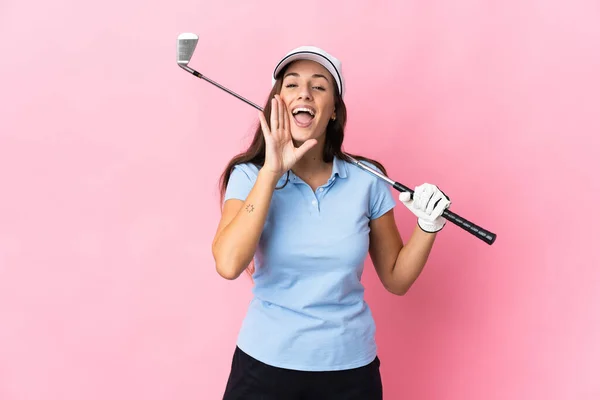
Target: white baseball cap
x=333 y=65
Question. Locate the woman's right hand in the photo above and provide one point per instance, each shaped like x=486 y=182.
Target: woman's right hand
x=280 y=152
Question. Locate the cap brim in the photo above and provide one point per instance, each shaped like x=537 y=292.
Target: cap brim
x=312 y=56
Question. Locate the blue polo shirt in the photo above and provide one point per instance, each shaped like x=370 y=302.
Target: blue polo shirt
x=308 y=310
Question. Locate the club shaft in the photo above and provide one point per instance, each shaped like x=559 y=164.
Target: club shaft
x=450 y=216
x=199 y=75
x=456 y=219
x=398 y=186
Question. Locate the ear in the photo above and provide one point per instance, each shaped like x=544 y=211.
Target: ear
x=333 y=116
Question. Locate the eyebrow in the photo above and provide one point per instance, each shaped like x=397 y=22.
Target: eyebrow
x=314 y=75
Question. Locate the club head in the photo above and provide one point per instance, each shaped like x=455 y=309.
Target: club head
x=186 y=44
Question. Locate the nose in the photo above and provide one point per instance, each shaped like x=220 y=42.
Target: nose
x=304 y=92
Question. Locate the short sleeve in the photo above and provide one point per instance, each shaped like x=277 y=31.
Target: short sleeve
x=241 y=181
x=381 y=198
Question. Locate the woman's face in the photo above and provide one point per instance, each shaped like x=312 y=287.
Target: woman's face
x=308 y=94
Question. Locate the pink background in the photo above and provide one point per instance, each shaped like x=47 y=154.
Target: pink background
x=109 y=189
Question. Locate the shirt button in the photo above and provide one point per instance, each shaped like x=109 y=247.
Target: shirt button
x=320 y=189
x=314 y=202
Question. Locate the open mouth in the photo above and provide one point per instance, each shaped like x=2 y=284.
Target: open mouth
x=303 y=116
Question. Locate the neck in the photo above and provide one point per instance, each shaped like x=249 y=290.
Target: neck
x=312 y=162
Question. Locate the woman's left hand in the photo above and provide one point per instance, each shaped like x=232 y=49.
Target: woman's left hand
x=428 y=203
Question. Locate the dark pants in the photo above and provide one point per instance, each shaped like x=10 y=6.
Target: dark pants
x=251 y=379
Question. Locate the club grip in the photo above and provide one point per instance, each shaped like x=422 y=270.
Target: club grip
x=470 y=227
x=456 y=219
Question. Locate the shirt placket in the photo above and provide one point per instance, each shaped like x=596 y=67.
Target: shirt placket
x=317 y=195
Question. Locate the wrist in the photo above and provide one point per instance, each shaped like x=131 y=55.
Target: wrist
x=269 y=177
x=431 y=226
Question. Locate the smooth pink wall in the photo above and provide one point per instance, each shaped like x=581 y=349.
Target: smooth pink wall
x=110 y=156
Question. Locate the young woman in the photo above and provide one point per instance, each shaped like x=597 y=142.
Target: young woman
x=301 y=219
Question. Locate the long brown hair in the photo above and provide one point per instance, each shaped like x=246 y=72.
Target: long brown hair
x=334 y=139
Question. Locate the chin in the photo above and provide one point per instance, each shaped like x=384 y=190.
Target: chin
x=303 y=134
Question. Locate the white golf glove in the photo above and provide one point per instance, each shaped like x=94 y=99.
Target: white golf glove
x=428 y=204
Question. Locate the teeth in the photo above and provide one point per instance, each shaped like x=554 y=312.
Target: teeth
x=308 y=110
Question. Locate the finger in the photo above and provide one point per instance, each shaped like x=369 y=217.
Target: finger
x=281 y=109
x=263 y=123
x=285 y=121
x=425 y=194
x=274 y=124
x=434 y=201
x=440 y=207
x=404 y=197
x=288 y=124
x=419 y=192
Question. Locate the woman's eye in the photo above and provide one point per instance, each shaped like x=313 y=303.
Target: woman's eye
x=293 y=85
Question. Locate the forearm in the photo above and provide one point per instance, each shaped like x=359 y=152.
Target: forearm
x=236 y=244
x=412 y=258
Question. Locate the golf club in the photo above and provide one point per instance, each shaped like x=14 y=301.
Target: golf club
x=186 y=44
